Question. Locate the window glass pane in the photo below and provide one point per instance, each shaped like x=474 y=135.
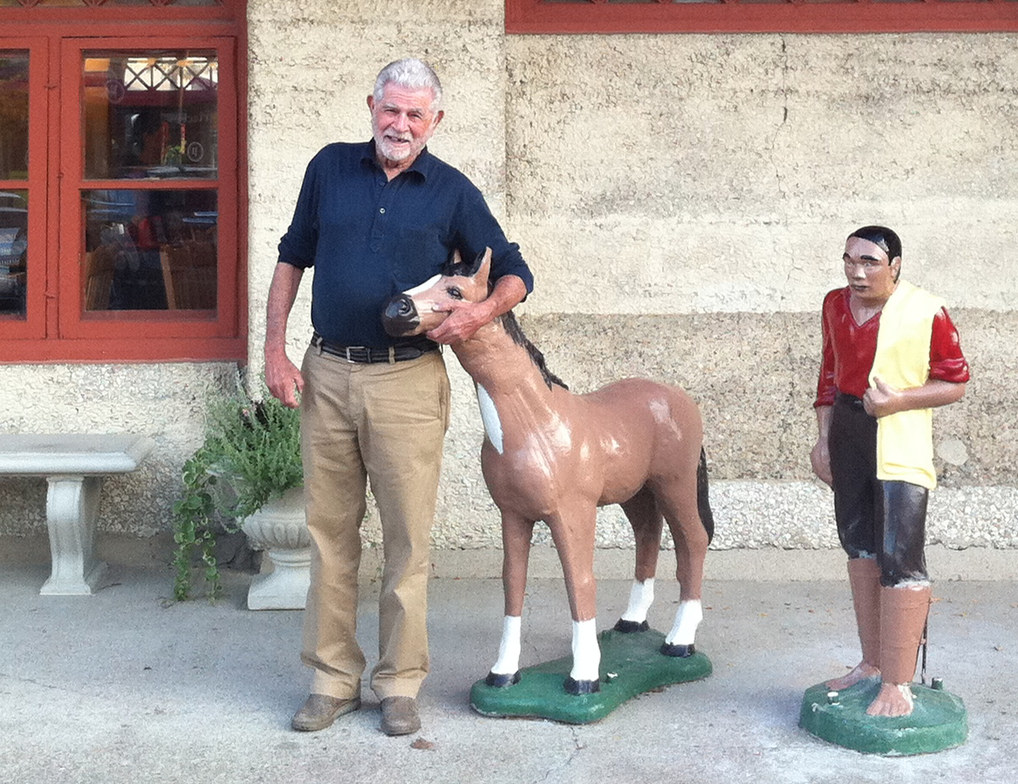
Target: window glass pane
x=150 y=250
x=150 y=114
x=13 y=116
x=13 y=251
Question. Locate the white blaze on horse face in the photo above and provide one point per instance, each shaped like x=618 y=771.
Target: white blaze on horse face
x=641 y=596
x=687 y=618
x=509 y=649
x=423 y=287
x=489 y=416
x=586 y=653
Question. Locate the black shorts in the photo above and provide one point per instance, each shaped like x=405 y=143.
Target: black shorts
x=886 y=520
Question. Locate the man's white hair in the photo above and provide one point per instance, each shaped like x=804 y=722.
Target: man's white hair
x=413 y=74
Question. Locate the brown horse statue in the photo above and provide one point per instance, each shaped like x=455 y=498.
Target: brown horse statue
x=551 y=455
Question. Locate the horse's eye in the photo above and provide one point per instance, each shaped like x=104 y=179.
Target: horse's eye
x=454 y=292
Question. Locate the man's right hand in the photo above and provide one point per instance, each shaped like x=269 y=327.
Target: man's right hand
x=283 y=379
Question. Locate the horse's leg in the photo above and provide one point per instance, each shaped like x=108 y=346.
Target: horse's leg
x=516 y=535
x=573 y=533
x=647 y=524
x=678 y=502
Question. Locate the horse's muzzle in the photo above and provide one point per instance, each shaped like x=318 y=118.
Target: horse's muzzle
x=400 y=317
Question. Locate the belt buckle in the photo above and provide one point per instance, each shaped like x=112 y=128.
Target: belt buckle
x=367 y=355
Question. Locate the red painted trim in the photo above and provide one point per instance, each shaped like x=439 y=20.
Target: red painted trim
x=34 y=326
x=535 y=16
x=57 y=330
x=138 y=349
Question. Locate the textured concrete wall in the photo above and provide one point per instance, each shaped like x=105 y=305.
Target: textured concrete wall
x=164 y=401
x=683 y=201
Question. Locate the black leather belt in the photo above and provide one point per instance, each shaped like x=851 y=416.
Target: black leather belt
x=365 y=355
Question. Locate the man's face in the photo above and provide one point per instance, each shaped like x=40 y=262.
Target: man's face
x=402 y=122
x=871 y=275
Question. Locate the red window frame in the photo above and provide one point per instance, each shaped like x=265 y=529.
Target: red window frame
x=742 y=16
x=56 y=329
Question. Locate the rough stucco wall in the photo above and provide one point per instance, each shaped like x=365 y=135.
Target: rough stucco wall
x=682 y=200
x=164 y=401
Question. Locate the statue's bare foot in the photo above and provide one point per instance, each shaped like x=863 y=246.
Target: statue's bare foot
x=861 y=672
x=893 y=699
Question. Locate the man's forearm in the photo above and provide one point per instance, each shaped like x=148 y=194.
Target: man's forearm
x=286 y=280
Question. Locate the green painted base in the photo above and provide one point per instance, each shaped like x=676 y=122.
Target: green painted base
x=631 y=664
x=937 y=722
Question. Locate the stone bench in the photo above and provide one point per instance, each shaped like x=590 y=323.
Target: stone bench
x=74 y=466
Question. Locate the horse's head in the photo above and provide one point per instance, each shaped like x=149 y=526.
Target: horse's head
x=423 y=308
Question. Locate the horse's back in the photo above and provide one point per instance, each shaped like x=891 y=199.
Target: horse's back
x=650 y=431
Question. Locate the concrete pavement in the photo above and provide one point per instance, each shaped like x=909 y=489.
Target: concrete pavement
x=129 y=686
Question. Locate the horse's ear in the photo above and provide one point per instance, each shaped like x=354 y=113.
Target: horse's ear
x=482 y=266
x=456 y=267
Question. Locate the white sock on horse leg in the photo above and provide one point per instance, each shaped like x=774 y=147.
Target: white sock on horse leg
x=586 y=652
x=641 y=596
x=509 y=649
x=687 y=618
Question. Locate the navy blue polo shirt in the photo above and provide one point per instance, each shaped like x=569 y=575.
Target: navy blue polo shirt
x=369 y=238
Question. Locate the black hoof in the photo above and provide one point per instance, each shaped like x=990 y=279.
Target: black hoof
x=679 y=651
x=629 y=627
x=500 y=681
x=581 y=687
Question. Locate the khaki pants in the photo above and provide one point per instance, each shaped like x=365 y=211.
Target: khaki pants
x=384 y=423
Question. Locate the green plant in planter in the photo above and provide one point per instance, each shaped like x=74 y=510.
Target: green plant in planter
x=251 y=455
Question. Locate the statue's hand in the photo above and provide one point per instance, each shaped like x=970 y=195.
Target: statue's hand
x=881 y=399
x=820 y=459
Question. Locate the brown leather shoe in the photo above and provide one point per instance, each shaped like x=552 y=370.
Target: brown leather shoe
x=399 y=716
x=320 y=710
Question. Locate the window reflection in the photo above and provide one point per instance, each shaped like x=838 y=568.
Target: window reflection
x=150 y=114
x=13 y=116
x=150 y=250
x=13 y=251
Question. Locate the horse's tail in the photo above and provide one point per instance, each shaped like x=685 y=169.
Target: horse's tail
x=702 y=499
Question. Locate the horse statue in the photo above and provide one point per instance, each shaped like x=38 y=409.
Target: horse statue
x=555 y=456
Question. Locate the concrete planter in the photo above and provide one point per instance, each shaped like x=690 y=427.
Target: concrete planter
x=280 y=529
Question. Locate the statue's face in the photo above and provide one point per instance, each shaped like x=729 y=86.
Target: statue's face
x=871 y=275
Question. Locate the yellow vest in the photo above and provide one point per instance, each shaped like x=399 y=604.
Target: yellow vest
x=905 y=439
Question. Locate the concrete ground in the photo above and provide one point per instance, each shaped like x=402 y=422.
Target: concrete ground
x=129 y=686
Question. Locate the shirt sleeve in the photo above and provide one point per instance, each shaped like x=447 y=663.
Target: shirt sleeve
x=826 y=390
x=477 y=229
x=947 y=363
x=300 y=243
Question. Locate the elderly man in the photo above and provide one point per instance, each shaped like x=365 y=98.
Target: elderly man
x=374 y=219
x=890 y=355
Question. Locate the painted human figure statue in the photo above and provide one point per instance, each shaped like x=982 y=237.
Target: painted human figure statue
x=890 y=355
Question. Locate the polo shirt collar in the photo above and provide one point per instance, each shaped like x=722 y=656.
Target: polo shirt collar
x=422 y=165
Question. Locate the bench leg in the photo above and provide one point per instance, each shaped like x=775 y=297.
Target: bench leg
x=72 y=507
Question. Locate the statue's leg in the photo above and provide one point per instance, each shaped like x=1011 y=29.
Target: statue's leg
x=647 y=524
x=864 y=579
x=516 y=536
x=573 y=533
x=905 y=597
x=678 y=503
x=903 y=613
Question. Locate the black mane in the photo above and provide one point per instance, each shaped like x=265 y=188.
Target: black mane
x=515 y=331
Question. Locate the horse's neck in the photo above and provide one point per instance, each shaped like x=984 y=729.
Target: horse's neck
x=502 y=367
